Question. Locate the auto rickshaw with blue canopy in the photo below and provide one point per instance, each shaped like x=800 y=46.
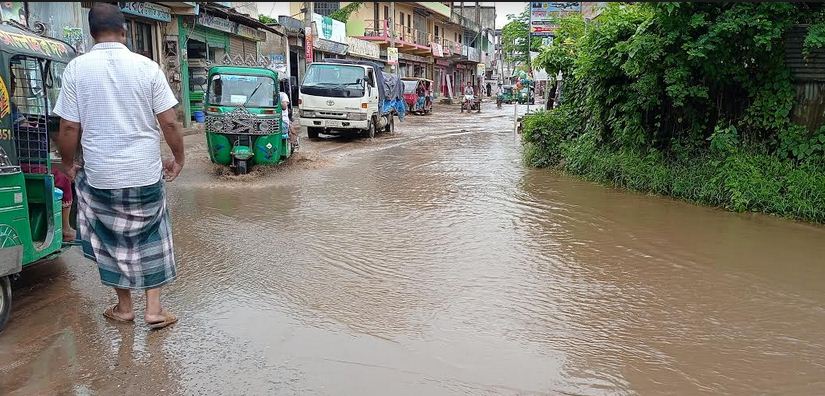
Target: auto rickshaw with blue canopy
x=243 y=118
x=31 y=217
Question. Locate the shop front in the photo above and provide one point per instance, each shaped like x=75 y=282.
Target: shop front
x=415 y=66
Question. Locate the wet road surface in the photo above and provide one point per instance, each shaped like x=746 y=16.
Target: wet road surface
x=432 y=262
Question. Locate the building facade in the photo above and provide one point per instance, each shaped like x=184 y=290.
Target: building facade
x=441 y=41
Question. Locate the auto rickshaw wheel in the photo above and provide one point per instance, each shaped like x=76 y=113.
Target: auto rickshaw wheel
x=5 y=301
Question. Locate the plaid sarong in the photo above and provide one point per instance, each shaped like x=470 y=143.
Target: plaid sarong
x=127 y=232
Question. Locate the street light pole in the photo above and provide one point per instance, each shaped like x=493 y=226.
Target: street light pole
x=529 y=63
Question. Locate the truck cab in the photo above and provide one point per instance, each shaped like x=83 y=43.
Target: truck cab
x=343 y=96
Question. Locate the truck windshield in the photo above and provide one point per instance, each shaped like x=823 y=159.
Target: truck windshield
x=237 y=90
x=334 y=80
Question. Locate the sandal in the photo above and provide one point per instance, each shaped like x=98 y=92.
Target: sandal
x=168 y=319
x=110 y=313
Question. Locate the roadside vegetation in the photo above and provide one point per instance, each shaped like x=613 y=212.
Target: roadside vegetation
x=690 y=100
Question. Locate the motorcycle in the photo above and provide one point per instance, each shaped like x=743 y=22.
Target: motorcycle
x=471 y=103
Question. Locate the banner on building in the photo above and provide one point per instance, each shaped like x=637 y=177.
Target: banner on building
x=308 y=44
x=544 y=16
x=363 y=48
x=438 y=50
x=329 y=29
x=392 y=55
x=146 y=10
x=481 y=69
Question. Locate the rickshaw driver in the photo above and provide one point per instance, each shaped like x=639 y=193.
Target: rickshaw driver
x=469 y=93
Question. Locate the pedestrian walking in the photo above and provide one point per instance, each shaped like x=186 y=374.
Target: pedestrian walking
x=122 y=102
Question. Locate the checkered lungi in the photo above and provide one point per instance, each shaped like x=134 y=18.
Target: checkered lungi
x=128 y=233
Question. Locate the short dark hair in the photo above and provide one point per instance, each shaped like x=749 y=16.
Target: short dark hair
x=106 y=18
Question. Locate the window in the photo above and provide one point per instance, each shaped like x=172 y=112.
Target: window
x=54 y=81
x=139 y=38
x=26 y=86
x=402 y=18
x=326 y=7
x=386 y=12
x=409 y=20
x=237 y=90
x=435 y=31
x=27 y=91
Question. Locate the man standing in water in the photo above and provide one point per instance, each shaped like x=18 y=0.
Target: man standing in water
x=121 y=101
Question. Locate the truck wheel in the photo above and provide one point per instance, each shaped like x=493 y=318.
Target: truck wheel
x=5 y=301
x=371 y=130
x=390 y=126
x=312 y=133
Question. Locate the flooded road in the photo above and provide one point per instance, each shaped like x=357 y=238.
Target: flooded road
x=433 y=262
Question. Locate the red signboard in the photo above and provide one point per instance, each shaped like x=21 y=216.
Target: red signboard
x=308 y=44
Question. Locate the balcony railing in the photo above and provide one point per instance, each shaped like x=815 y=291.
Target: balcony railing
x=407 y=34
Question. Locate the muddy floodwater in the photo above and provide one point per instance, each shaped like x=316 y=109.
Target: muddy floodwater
x=432 y=262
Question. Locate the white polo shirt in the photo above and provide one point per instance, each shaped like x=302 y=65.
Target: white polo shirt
x=115 y=95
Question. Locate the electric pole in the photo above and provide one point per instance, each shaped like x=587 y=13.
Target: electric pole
x=391 y=32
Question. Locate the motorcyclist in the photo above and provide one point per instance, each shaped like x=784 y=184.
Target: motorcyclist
x=469 y=94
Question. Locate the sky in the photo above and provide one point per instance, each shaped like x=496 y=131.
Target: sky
x=274 y=9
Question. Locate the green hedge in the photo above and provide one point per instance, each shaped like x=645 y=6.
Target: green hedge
x=739 y=180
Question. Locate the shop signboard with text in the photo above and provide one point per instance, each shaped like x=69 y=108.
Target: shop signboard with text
x=147 y=10
x=438 y=50
x=363 y=48
x=392 y=55
x=308 y=44
x=544 y=15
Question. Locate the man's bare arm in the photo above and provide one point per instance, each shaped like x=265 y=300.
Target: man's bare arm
x=172 y=133
x=174 y=138
x=68 y=138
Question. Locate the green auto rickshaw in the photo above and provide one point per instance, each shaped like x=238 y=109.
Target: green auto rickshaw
x=243 y=118
x=506 y=94
x=31 y=218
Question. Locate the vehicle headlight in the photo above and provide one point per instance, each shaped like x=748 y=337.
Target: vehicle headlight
x=356 y=116
x=307 y=113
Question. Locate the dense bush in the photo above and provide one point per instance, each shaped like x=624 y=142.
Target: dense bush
x=691 y=100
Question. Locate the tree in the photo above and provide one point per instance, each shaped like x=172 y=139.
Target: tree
x=343 y=14
x=267 y=20
x=514 y=37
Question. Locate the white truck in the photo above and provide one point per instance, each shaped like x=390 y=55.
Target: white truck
x=343 y=96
